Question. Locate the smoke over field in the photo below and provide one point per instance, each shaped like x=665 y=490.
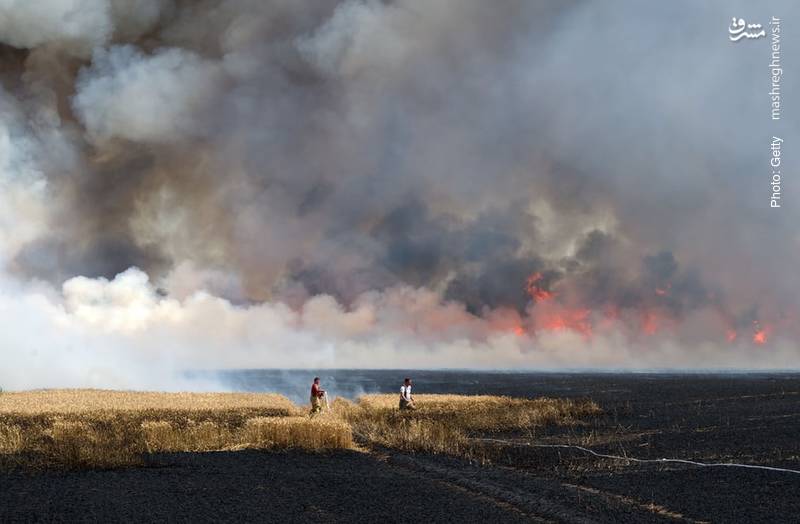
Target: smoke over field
x=408 y=183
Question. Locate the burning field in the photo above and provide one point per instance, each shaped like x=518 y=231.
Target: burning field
x=193 y=192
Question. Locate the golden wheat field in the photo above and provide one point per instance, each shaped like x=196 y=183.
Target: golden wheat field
x=488 y=413
x=446 y=423
x=96 y=428
x=66 y=401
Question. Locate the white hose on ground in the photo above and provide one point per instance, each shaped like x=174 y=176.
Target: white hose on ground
x=632 y=459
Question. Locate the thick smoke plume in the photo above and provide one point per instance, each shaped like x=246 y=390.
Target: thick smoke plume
x=246 y=183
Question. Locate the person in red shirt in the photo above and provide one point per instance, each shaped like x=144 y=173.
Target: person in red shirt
x=317 y=394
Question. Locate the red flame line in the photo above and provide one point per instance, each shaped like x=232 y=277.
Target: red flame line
x=533 y=285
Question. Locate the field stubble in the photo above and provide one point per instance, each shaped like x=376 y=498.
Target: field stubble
x=446 y=423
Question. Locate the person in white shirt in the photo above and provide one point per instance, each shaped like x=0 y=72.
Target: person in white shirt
x=406 y=400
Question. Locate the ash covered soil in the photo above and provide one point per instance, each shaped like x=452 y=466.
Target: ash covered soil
x=751 y=419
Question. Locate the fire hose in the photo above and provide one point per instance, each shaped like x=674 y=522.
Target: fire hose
x=639 y=460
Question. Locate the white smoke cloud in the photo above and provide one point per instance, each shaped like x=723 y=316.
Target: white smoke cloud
x=186 y=278
x=122 y=333
x=79 y=25
x=161 y=97
x=359 y=35
x=76 y=26
x=133 y=18
x=22 y=183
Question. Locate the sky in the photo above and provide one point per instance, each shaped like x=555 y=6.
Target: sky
x=393 y=184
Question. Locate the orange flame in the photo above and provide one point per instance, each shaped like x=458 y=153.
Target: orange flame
x=533 y=285
x=569 y=319
x=761 y=333
x=649 y=323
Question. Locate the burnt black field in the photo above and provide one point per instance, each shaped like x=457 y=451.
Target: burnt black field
x=709 y=418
